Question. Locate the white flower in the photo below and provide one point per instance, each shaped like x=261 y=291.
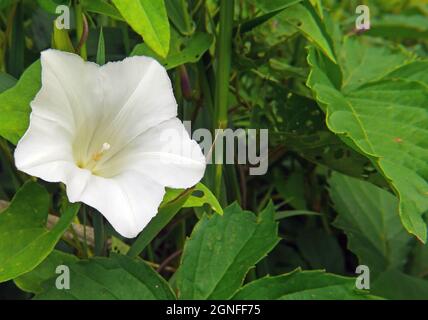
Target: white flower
x=99 y=131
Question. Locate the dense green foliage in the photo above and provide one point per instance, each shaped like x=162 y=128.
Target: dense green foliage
x=347 y=185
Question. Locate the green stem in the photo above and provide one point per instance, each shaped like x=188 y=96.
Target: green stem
x=80 y=28
x=98 y=222
x=85 y=240
x=181 y=234
x=224 y=60
x=150 y=253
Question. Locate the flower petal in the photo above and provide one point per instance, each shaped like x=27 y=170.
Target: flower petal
x=138 y=96
x=71 y=92
x=71 y=96
x=68 y=98
x=164 y=153
x=128 y=201
x=45 y=151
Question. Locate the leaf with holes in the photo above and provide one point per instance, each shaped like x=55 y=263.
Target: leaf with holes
x=200 y=196
x=183 y=50
x=304 y=18
x=381 y=116
x=301 y=128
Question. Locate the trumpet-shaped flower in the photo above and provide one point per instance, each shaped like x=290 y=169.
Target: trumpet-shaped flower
x=101 y=131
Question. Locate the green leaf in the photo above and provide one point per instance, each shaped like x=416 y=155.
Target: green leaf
x=149 y=19
x=222 y=249
x=178 y=12
x=183 y=50
x=160 y=221
x=369 y=217
x=15 y=104
x=413 y=71
x=292 y=188
x=115 y=278
x=305 y=19
x=32 y=281
x=294 y=213
x=302 y=129
x=102 y=7
x=361 y=62
x=101 y=50
x=396 y=285
x=381 y=117
x=200 y=196
x=302 y=285
x=24 y=239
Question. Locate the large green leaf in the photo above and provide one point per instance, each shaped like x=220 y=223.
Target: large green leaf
x=222 y=249
x=383 y=117
x=369 y=217
x=15 y=104
x=361 y=62
x=183 y=50
x=24 y=239
x=302 y=285
x=149 y=19
x=115 y=278
x=32 y=281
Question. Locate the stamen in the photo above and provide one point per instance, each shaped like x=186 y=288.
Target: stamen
x=97 y=156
